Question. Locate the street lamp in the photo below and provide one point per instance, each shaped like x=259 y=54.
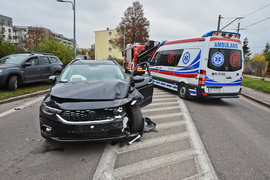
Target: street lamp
x=74 y=25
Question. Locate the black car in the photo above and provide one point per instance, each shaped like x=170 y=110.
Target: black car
x=93 y=100
x=25 y=68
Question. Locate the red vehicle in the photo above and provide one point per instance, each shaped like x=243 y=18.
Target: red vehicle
x=138 y=52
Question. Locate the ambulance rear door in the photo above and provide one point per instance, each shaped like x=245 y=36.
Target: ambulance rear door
x=224 y=68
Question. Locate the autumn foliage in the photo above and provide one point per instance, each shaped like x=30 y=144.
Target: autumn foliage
x=134 y=25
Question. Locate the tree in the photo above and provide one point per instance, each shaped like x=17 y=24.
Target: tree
x=34 y=37
x=246 y=50
x=92 y=50
x=266 y=53
x=53 y=46
x=259 y=57
x=7 y=47
x=134 y=25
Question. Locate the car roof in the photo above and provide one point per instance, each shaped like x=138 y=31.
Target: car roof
x=33 y=54
x=94 y=62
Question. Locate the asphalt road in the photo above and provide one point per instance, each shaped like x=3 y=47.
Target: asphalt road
x=174 y=152
x=24 y=154
x=235 y=133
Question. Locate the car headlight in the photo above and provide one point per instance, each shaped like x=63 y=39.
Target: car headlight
x=1 y=70
x=118 y=111
x=50 y=110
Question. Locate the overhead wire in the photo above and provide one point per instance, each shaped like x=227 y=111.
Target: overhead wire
x=257 y=10
x=238 y=18
x=255 y=23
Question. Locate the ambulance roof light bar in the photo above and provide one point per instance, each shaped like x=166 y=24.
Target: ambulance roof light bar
x=222 y=34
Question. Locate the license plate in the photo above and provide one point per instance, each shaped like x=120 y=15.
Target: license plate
x=214 y=90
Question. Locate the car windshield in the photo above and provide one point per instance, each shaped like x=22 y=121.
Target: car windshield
x=87 y=72
x=12 y=59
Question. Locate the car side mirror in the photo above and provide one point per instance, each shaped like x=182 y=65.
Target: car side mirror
x=138 y=79
x=27 y=64
x=52 y=79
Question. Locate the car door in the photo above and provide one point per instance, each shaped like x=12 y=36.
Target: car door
x=145 y=85
x=31 y=71
x=45 y=66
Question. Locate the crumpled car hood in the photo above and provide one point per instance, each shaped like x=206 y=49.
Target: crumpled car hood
x=92 y=90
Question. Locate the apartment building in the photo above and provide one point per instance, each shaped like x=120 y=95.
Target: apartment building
x=103 y=47
x=7 y=24
x=18 y=34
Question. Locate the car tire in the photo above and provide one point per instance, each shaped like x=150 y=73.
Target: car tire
x=183 y=91
x=136 y=123
x=13 y=83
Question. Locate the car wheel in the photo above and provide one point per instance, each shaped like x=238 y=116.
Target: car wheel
x=136 y=123
x=183 y=91
x=13 y=83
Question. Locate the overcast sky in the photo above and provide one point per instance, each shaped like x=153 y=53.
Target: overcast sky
x=169 y=19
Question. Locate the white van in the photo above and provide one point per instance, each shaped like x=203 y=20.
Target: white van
x=210 y=66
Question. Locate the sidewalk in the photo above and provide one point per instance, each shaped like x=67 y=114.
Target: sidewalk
x=257 y=77
x=255 y=95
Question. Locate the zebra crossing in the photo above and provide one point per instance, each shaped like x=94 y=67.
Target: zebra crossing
x=175 y=151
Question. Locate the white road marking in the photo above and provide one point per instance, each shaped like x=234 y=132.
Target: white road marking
x=203 y=162
x=20 y=107
x=106 y=169
x=159 y=109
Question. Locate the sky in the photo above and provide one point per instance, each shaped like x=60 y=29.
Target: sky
x=169 y=19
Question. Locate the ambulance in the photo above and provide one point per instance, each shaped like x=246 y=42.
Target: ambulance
x=210 y=66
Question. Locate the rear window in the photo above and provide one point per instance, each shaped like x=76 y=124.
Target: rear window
x=225 y=59
x=54 y=59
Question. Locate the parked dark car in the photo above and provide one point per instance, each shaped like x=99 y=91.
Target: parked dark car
x=25 y=68
x=93 y=100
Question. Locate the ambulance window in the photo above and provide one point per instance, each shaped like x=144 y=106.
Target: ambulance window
x=225 y=59
x=156 y=59
x=171 y=57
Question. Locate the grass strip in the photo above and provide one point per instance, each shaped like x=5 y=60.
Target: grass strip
x=24 y=89
x=258 y=84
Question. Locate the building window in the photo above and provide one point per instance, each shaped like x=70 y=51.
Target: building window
x=110 y=56
x=9 y=30
x=110 y=33
x=110 y=49
x=9 y=23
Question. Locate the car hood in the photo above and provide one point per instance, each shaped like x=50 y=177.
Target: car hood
x=7 y=65
x=91 y=90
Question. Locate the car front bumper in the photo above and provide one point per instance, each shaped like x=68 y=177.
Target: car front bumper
x=56 y=128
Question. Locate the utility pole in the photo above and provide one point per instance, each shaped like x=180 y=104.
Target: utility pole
x=218 y=27
x=238 y=28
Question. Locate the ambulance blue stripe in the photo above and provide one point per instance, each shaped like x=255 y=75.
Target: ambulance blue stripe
x=196 y=62
x=186 y=72
x=192 y=92
x=210 y=82
x=168 y=85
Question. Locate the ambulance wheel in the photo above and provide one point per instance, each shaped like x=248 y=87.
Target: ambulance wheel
x=183 y=91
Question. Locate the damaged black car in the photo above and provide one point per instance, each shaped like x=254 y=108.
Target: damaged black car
x=94 y=100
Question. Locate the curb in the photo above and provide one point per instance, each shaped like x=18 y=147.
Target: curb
x=24 y=96
x=256 y=100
